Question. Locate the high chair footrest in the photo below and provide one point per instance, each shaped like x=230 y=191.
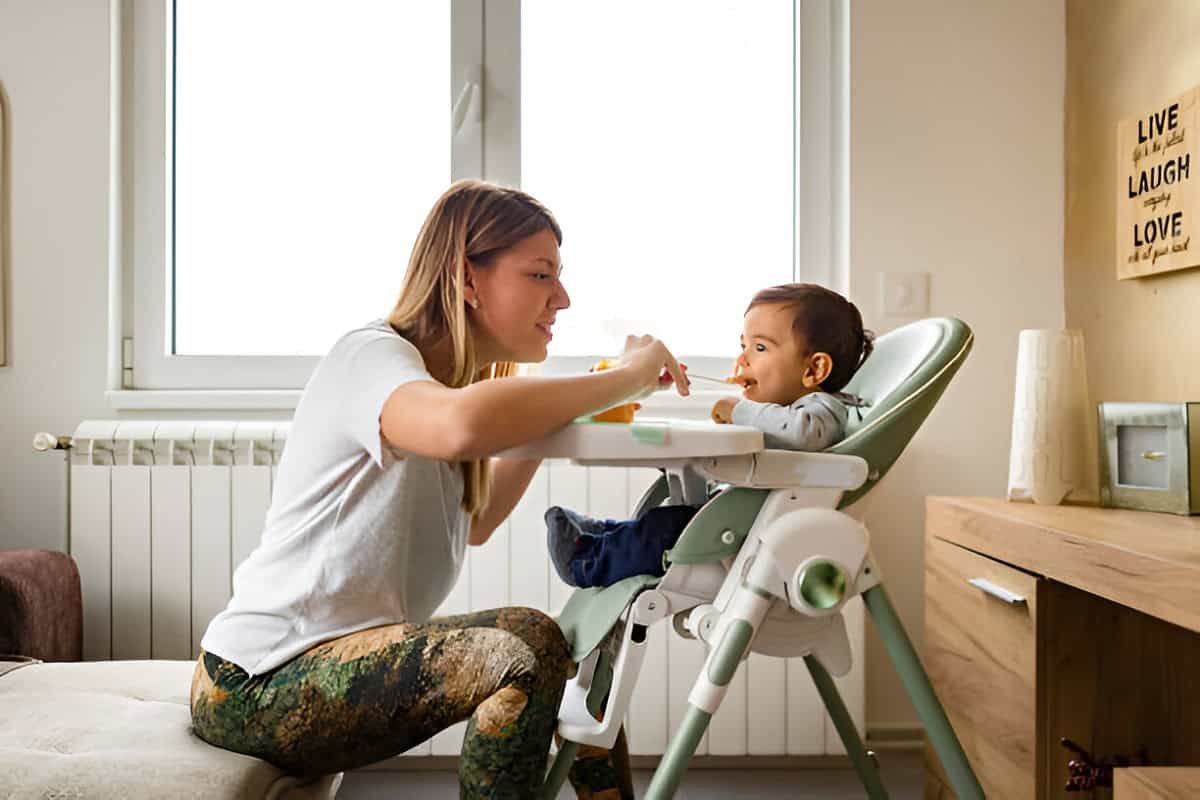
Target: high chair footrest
x=579 y=717
x=591 y=613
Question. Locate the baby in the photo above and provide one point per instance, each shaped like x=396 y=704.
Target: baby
x=801 y=343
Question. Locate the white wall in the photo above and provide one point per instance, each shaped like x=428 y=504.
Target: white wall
x=956 y=170
x=956 y=160
x=54 y=71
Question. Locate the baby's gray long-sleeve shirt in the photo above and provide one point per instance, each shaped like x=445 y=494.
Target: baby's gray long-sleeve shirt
x=813 y=422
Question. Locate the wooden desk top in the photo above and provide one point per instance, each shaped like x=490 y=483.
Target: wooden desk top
x=1155 y=783
x=1141 y=559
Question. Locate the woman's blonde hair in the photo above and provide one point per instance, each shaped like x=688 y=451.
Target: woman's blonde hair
x=474 y=221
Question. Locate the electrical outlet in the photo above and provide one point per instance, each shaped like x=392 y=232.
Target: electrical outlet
x=904 y=293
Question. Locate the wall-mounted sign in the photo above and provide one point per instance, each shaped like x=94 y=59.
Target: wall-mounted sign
x=1158 y=189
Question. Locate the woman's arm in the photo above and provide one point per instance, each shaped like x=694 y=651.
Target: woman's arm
x=510 y=479
x=484 y=418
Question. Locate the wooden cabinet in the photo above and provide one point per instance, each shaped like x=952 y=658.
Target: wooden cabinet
x=1045 y=622
x=981 y=654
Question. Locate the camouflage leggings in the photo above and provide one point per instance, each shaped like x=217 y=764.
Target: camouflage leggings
x=378 y=692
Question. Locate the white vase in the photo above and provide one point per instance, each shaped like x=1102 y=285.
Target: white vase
x=1053 y=454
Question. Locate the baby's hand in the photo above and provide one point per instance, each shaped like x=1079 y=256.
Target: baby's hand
x=722 y=410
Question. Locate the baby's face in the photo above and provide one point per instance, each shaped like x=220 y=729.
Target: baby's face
x=771 y=366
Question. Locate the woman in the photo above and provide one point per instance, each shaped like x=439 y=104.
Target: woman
x=326 y=658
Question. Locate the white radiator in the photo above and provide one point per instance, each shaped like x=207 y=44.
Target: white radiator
x=162 y=512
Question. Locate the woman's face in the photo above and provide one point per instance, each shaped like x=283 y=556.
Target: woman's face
x=518 y=297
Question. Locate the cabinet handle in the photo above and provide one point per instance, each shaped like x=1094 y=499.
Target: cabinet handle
x=996 y=591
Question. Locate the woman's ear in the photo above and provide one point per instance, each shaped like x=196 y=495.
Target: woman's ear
x=817 y=370
x=470 y=292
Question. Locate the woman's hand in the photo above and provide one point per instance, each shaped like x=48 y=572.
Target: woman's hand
x=652 y=362
x=722 y=410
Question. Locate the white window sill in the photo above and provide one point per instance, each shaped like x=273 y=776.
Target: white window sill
x=665 y=402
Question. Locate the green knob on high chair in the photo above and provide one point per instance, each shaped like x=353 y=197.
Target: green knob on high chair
x=822 y=584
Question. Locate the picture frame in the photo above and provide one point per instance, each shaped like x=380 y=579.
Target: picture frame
x=1150 y=456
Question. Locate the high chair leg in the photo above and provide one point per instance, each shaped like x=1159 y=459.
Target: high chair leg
x=733 y=636
x=709 y=690
x=679 y=752
x=559 y=769
x=916 y=683
x=868 y=770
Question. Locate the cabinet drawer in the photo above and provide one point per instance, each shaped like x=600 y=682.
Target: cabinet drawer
x=981 y=653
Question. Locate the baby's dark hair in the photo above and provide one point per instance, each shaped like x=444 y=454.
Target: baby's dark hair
x=825 y=322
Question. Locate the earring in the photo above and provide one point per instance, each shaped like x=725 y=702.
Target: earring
x=474 y=303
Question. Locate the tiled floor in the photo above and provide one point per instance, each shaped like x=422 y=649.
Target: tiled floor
x=901 y=774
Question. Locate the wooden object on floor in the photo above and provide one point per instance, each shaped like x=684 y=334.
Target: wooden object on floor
x=1156 y=783
x=1052 y=621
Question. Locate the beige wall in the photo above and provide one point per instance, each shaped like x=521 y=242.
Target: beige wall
x=956 y=170
x=1142 y=335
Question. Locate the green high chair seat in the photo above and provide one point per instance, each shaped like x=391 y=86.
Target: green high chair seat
x=901 y=382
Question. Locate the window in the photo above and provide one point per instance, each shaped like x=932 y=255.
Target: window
x=309 y=142
x=286 y=153
x=668 y=158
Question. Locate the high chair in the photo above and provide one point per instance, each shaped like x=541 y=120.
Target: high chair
x=765 y=566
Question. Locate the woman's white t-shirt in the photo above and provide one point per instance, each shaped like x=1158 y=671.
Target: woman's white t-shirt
x=358 y=534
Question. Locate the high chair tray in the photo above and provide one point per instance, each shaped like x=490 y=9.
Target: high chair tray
x=651 y=439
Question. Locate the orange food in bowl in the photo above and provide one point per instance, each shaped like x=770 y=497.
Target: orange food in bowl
x=621 y=413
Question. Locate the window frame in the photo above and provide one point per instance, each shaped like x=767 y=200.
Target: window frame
x=485 y=50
